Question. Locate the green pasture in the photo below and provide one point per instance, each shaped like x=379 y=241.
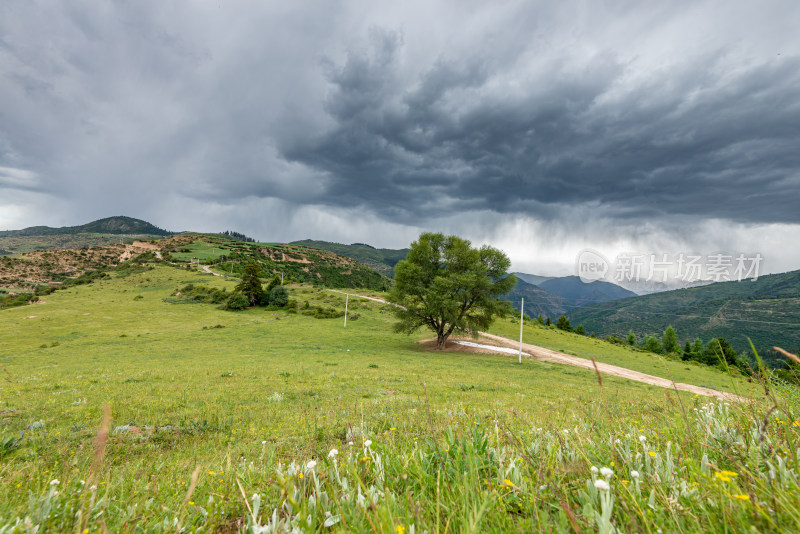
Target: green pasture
x=234 y=394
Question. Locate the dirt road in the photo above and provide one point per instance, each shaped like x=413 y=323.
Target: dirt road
x=551 y=356
x=207 y=269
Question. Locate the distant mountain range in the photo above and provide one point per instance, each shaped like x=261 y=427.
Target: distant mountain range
x=118 y=225
x=766 y=310
x=554 y=296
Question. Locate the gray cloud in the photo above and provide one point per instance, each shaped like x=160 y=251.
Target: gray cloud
x=703 y=140
x=594 y=122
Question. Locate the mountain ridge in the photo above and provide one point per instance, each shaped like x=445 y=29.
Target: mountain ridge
x=118 y=224
x=764 y=311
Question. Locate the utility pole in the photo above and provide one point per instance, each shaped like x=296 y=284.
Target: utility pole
x=521 y=315
x=346 y=301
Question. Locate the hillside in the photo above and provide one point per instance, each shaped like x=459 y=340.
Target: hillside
x=295 y=262
x=112 y=230
x=578 y=293
x=766 y=311
x=220 y=253
x=111 y=225
x=537 y=300
x=382 y=260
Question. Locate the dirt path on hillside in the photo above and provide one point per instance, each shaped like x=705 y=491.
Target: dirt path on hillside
x=551 y=356
x=207 y=269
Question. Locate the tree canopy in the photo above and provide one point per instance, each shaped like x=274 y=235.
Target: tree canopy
x=250 y=286
x=446 y=285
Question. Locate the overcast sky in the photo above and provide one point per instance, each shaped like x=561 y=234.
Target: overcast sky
x=538 y=127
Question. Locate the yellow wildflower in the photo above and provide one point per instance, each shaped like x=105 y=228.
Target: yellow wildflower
x=653 y=454
x=742 y=497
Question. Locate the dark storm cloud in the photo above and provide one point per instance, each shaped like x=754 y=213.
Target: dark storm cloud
x=699 y=140
x=287 y=120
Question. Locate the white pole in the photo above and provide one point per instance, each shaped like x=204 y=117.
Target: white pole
x=281 y=278
x=346 y=300
x=521 y=312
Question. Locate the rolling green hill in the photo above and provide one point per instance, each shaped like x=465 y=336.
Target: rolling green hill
x=766 y=311
x=382 y=260
x=97 y=233
x=219 y=253
x=295 y=262
x=118 y=225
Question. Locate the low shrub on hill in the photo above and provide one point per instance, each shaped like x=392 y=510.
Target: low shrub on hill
x=192 y=294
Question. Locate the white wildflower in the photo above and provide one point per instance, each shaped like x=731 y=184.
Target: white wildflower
x=594 y=470
x=606 y=472
x=333 y=453
x=635 y=474
x=601 y=484
x=311 y=464
x=642 y=439
x=54 y=482
x=368 y=443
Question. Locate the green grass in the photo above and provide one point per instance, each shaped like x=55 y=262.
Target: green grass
x=460 y=441
x=201 y=250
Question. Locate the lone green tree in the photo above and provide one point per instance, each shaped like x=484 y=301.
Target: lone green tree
x=631 y=337
x=670 y=341
x=250 y=286
x=446 y=285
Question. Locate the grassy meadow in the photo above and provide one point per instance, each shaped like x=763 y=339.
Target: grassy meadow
x=268 y=421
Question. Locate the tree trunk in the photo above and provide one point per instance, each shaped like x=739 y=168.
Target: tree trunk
x=441 y=339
